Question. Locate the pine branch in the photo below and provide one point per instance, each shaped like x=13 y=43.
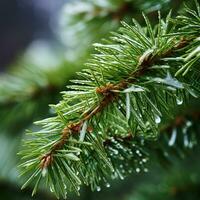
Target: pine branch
x=128 y=87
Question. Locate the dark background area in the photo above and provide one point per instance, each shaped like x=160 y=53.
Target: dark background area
x=23 y=21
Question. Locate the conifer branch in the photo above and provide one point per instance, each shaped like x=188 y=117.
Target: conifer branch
x=127 y=88
x=109 y=95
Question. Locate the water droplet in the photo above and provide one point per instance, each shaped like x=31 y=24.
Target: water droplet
x=130 y=152
x=157 y=119
x=137 y=151
x=173 y=137
x=179 y=101
x=188 y=123
x=146 y=170
x=98 y=189
x=130 y=171
x=186 y=142
x=123 y=171
x=115 y=151
x=121 y=158
x=137 y=170
x=144 y=160
x=107 y=185
x=51 y=189
x=120 y=175
x=117 y=145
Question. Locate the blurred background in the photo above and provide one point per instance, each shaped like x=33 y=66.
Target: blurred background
x=42 y=44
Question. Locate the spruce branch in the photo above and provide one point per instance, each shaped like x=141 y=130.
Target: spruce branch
x=127 y=87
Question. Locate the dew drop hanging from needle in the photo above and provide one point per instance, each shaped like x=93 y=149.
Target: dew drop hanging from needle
x=173 y=137
x=157 y=119
x=98 y=189
x=179 y=101
x=107 y=185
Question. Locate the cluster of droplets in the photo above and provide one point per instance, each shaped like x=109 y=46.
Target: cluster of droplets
x=135 y=159
x=106 y=183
